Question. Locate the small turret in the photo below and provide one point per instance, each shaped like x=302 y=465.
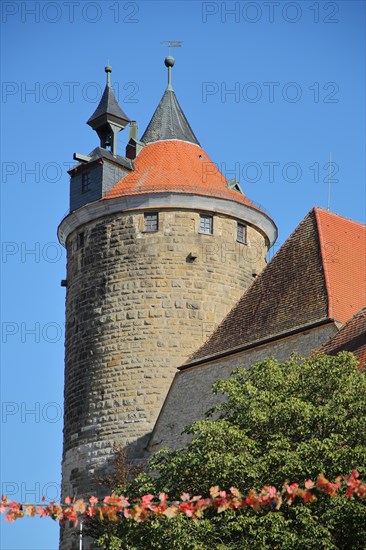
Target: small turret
x=108 y=119
x=96 y=173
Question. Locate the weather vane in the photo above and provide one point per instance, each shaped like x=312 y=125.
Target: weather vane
x=172 y=44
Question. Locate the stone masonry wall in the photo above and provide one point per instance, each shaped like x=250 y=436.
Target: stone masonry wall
x=137 y=306
x=190 y=395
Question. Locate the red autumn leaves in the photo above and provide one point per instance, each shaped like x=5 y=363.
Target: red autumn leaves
x=112 y=507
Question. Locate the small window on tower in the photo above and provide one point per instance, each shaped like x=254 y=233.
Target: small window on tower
x=85 y=182
x=241 y=235
x=151 y=221
x=81 y=240
x=206 y=224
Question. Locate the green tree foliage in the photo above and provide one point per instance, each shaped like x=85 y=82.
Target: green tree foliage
x=278 y=422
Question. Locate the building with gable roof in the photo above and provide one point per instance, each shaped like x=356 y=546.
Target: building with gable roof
x=161 y=249
x=313 y=286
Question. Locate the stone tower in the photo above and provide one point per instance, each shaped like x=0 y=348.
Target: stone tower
x=160 y=246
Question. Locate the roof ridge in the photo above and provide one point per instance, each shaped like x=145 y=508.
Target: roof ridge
x=323 y=210
x=325 y=267
x=286 y=240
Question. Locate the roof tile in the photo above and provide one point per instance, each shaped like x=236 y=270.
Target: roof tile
x=351 y=337
x=177 y=167
x=343 y=246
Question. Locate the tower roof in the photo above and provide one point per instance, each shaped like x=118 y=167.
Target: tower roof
x=168 y=160
x=169 y=122
x=108 y=105
x=172 y=160
x=175 y=167
x=319 y=273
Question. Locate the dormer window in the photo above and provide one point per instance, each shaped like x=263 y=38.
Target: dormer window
x=85 y=182
x=241 y=234
x=206 y=224
x=151 y=221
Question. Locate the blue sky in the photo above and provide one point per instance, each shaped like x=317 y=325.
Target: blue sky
x=269 y=88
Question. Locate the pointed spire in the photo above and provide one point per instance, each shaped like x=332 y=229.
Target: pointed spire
x=108 y=119
x=169 y=121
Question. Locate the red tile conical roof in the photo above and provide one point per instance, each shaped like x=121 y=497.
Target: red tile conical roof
x=177 y=167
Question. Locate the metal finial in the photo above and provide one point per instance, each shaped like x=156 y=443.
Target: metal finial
x=108 y=70
x=169 y=63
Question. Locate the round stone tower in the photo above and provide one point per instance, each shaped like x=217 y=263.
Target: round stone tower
x=160 y=246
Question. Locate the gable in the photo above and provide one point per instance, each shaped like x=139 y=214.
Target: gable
x=319 y=273
x=343 y=247
x=290 y=292
x=351 y=337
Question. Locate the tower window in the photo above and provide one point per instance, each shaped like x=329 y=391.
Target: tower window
x=85 y=182
x=81 y=240
x=206 y=224
x=151 y=221
x=241 y=234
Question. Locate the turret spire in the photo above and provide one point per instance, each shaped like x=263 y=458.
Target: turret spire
x=108 y=119
x=169 y=122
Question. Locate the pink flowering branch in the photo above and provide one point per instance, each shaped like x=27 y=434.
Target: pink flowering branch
x=113 y=507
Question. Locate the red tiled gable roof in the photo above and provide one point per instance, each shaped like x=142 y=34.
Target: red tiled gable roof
x=319 y=273
x=177 y=167
x=343 y=246
x=351 y=337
